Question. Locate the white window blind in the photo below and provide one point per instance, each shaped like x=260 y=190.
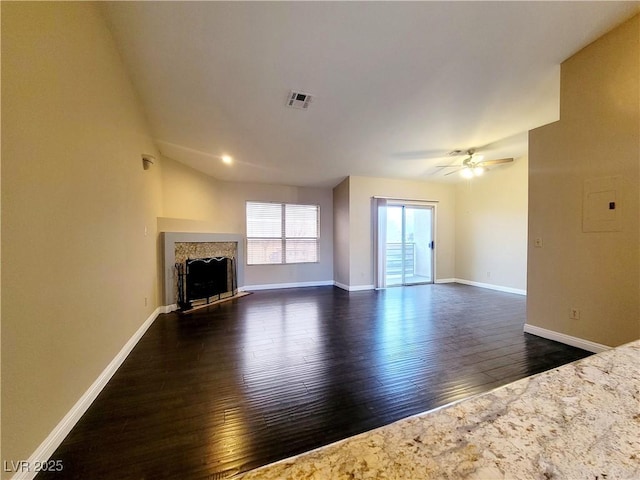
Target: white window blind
x=282 y=233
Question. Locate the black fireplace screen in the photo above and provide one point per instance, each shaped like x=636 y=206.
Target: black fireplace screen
x=204 y=279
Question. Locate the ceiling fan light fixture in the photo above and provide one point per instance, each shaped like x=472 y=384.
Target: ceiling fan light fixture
x=474 y=165
x=466 y=172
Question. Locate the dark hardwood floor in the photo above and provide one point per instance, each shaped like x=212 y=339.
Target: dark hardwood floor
x=254 y=380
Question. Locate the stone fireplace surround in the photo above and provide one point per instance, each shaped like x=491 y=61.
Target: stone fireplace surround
x=171 y=238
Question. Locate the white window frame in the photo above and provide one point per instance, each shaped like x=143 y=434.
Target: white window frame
x=282 y=238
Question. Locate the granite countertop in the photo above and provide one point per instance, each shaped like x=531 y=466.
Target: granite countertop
x=578 y=421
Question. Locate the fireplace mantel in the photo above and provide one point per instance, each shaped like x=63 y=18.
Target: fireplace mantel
x=171 y=238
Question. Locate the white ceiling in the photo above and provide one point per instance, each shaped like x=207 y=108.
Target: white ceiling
x=396 y=85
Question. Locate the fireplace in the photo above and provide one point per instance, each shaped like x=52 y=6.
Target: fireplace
x=203 y=280
x=208 y=254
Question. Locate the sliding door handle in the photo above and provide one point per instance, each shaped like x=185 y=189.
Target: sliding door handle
x=432 y=245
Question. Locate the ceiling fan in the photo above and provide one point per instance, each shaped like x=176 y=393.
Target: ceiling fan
x=473 y=165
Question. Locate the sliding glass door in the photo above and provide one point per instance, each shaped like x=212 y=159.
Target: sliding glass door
x=409 y=245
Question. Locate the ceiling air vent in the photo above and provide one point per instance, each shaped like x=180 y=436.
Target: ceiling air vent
x=299 y=100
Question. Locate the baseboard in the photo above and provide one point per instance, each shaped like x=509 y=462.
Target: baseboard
x=354 y=288
x=499 y=288
x=272 y=286
x=59 y=433
x=566 y=339
x=490 y=286
x=360 y=288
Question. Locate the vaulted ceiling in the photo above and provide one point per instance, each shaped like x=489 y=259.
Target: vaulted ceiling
x=395 y=85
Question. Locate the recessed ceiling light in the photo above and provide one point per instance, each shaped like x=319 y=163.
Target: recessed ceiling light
x=227 y=159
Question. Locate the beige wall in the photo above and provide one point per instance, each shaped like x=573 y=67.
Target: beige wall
x=195 y=202
x=188 y=194
x=598 y=135
x=77 y=265
x=491 y=227
x=361 y=191
x=341 y=253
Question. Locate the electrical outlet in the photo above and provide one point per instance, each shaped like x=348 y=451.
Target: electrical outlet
x=146 y=301
x=574 y=314
x=488 y=274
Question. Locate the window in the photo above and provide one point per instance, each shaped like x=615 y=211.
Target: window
x=282 y=233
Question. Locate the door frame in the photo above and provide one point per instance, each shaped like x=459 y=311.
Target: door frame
x=379 y=223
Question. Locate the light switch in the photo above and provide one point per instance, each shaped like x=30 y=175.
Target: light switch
x=538 y=242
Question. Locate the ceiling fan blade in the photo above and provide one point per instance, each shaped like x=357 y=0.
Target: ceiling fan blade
x=451 y=173
x=448 y=166
x=495 y=162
